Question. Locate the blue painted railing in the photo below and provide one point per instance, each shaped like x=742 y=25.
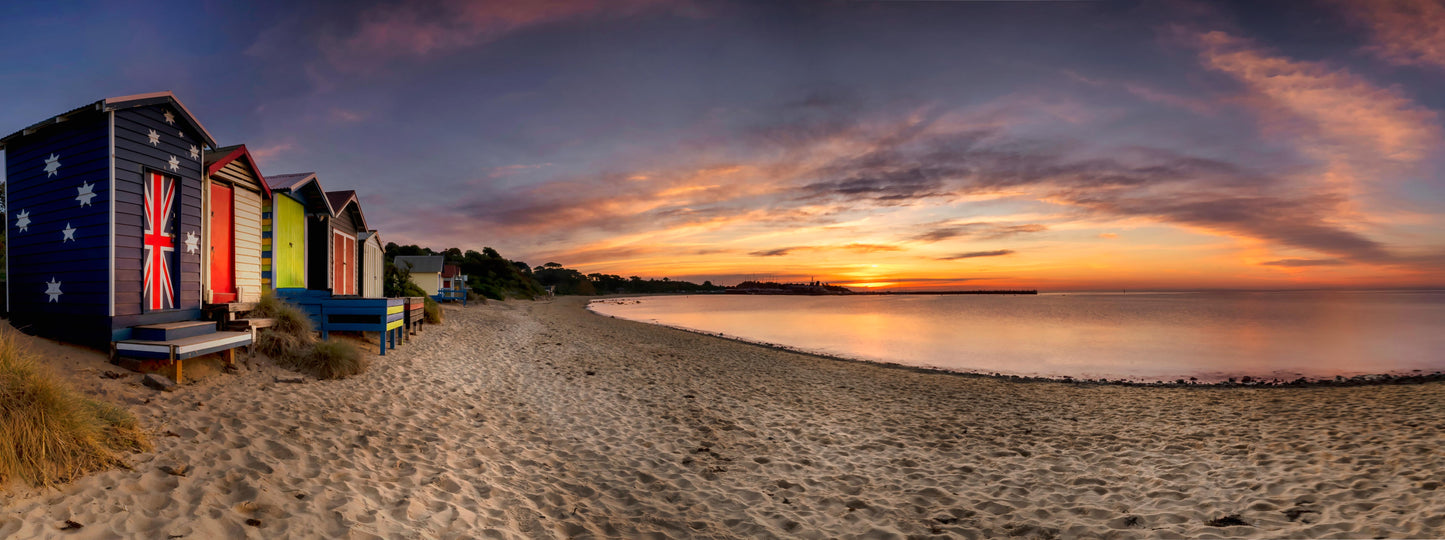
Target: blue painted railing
x=451 y=295
x=385 y=316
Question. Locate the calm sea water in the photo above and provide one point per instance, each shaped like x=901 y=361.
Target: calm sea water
x=1138 y=336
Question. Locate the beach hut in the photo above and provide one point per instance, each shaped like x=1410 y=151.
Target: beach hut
x=106 y=228
x=235 y=194
x=426 y=270
x=296 y=234
x=347 y=222
x=313 y=259
x=453 y=285
x=372 y=259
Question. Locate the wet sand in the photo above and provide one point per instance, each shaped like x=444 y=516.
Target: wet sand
x=527 y=420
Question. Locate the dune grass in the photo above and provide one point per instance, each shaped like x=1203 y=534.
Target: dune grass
x=289 y=338
x=51 y=434
x=433 y=311
x=333 y=360
x=288 y=318
x=290 y=343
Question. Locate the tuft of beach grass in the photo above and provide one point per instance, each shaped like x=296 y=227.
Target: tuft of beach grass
x=290 y=343
x=49 y=432
x=433 y=311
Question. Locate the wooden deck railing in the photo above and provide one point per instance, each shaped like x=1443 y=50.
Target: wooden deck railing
x=385 y=316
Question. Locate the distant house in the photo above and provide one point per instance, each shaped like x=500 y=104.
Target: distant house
x=234 y=200
x=370 y=270
x=426 y=270
x=452 y=277
x=454 y=285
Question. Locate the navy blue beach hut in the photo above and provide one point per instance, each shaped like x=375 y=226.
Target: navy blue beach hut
x=105 y=229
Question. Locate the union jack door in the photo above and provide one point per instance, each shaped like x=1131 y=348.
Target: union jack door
x=159 y=241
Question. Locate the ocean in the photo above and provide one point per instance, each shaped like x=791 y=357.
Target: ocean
x=1149 y=336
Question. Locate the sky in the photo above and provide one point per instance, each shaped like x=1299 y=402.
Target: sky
x=909 y=145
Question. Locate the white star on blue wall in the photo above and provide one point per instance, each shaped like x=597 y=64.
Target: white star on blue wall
x=52 y=165
x=69 y=233
x=155 y=138
x=85 y=193
x=175 y=164
x=170 y=118
x=193 y=242
x=52 y=288
x=22 y=221
x=195 y=152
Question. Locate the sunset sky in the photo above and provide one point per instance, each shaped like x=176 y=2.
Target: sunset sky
x=1054 y=145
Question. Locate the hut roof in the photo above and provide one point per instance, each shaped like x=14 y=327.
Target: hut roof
x=340 y=200
x=425 y=264
x=220 y=157
x=299 y=182
x=117 y=103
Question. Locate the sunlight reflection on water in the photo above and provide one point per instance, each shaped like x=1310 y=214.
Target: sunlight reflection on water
x=1140 y=336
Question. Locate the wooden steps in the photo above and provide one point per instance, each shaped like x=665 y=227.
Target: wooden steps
x=183 y=348
x=171 y=343
x=225 y=313
x=172 y=330
x=249 y=324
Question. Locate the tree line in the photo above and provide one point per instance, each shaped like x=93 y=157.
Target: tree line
x=491 y=275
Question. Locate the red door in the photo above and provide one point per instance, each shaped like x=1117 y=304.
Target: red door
x=223 y=265
x=351 y=268
x=344 y=259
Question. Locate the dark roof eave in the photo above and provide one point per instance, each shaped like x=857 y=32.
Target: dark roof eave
x=350 y=199
x=306 y=178
x=62 y=117
x=114 y=103
x=156 y=98
x=239 y=152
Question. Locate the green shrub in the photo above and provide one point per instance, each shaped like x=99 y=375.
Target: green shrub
x=334 y=359
x=488 y=290
x=396 y=282
x=288 y=318
x=289 y=337
x=49 y=433
x=433 y=311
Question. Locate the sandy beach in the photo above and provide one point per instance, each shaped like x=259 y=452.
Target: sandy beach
x=537 y=420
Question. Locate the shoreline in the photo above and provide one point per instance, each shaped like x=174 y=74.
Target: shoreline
x=1238 y=381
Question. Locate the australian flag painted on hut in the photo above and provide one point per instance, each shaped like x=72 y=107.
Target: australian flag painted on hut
x=104 y=218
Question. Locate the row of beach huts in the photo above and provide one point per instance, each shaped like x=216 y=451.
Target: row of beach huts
x=129 y=227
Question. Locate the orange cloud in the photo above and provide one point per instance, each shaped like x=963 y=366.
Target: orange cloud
x=1349 y=113
x=272 y=150
x=1406 y=32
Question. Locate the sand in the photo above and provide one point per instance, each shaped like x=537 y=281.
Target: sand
x=537 y=420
